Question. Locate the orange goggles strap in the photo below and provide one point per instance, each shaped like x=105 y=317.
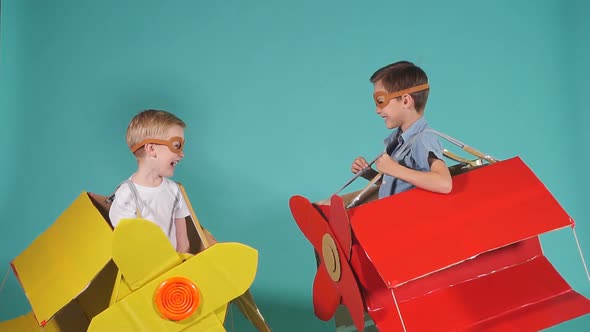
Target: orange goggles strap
x=169 y=143
x=387 y=97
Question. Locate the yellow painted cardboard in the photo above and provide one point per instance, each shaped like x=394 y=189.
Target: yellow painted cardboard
x=221 y=273
x=142 y=251
x=81 y=275
x=69 y=319
x=62 y=261
x=148 y=254
x=24 y=323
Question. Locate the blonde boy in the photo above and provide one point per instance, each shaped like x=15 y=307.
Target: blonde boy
x=156 y=138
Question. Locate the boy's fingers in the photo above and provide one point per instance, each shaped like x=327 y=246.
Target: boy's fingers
x=356 y=165
x=359 y=164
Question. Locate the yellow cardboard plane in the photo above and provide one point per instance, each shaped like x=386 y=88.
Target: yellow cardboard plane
x=81 y=275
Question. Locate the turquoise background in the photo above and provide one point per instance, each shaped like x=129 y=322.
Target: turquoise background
x=277 y=101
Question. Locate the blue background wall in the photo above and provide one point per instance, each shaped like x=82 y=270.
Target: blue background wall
x=277 y=101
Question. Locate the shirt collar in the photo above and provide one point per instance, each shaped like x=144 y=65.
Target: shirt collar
x=416 y=127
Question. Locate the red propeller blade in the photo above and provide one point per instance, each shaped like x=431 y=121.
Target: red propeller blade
x=309 y=220
x=340 y=225
x=325 y=295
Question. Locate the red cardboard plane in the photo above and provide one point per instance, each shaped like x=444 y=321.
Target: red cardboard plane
x=421 y=261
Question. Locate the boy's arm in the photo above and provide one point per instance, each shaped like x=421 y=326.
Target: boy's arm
x=438 y=179
x=182 y=243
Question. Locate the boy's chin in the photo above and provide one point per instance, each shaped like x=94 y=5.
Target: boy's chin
x=168 y=173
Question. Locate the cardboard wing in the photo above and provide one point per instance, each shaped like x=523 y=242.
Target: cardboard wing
x=63 y=261
x=497 y=205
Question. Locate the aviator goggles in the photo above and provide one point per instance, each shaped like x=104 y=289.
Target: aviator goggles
x=382 y=98
x=175 y=144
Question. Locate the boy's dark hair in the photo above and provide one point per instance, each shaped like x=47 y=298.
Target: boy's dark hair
x=403 y=75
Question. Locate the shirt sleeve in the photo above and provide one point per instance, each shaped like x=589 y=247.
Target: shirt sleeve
x=182 y=210
x=426 y=143
x=123 y=206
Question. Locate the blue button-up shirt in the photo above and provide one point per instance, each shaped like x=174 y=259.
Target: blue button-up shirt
x=411 y=149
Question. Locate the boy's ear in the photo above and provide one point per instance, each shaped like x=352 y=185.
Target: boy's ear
x=407 y=100
x=150 y=149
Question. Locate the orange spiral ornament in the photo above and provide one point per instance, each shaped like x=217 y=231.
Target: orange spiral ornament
x=177 y=298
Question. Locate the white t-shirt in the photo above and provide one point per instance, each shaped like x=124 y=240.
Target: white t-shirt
x=157 y=204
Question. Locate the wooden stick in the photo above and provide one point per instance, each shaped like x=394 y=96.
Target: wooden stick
x=198 y=226
x=455 y=157
x=478 y=154
x=372 y=182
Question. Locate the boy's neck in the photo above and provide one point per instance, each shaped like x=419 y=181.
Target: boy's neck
x=409 y=121
x=146 y=177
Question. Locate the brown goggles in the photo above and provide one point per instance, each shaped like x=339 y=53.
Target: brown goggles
x=175 y=144
x=382 y=98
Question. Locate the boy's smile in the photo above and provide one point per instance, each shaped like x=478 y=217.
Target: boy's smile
x=172 y=153
x=396 y=108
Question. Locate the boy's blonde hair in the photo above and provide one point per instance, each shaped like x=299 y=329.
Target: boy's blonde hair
x=150 y=124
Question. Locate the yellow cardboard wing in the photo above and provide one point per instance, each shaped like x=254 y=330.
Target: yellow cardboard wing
x=80 y=275
x=61 y=263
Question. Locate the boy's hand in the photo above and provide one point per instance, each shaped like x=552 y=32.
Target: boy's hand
x=358 y=164
x=387 y=165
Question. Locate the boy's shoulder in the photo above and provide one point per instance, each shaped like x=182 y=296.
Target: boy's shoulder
x=427 y=134
x=419 y=132
x=427 y=141
x=123 y=190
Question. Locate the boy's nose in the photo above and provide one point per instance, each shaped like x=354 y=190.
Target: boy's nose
x=181 y=154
